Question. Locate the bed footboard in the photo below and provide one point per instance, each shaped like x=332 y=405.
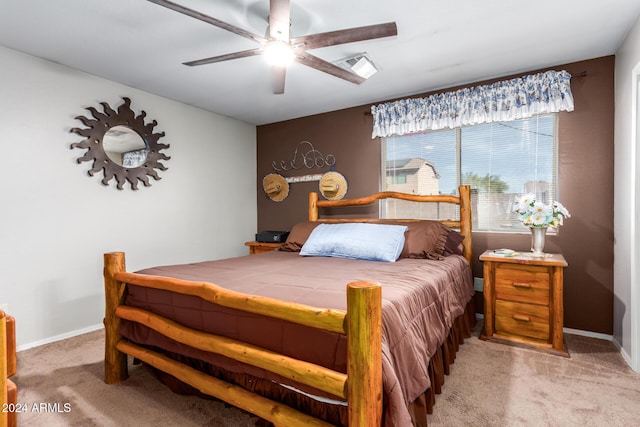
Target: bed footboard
x=8 y=389
x=3 y=370
x=361 y=387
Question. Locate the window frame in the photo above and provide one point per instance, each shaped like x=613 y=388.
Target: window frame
x=555 y=184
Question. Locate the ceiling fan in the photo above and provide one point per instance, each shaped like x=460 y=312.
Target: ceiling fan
x=281 y=49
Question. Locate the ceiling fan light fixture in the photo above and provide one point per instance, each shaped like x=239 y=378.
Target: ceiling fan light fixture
x=279 y=53
x=280 y=49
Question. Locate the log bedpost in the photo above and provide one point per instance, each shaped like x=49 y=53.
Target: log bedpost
x=364 y=341
x=313 y=206
x=4 y=415
x=115 y=362
x=465 y=220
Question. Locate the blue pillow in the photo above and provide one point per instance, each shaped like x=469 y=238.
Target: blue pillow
x=373 y=242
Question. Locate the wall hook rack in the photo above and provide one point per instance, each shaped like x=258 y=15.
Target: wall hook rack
x=305 y=155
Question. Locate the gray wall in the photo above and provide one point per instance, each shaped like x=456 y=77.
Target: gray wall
x=627 y=200
x=56 y=221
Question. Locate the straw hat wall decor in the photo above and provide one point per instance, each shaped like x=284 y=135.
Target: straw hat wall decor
x=276 y=187
x=333 y=186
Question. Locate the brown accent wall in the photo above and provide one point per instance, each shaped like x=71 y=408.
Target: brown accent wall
x=585 y=171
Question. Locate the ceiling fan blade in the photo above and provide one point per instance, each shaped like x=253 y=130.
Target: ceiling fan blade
x=279 y=19
x=350 y=35
x=327 y=67
x=208 y=19
x=225 y=57
x=278 y=75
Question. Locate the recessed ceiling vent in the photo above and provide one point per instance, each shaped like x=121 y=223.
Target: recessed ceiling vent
x=360 y=64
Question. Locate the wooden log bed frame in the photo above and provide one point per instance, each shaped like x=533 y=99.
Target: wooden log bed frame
x=8 y=389
x=361 y=386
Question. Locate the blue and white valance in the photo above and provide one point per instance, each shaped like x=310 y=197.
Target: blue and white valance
x=547 y=92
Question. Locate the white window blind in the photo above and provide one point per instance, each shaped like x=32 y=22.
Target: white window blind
x=498 y=160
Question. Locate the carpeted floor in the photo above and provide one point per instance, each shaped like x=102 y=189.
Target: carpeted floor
x=72 y=372
x=498 y=385
x=61 y=384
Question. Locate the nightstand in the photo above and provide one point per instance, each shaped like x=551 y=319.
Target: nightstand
x=259 y=247
x=523 y=303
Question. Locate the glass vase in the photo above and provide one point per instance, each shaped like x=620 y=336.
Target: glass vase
x=537 y=241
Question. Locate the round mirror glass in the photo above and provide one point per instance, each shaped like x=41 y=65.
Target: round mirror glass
x=125 y=147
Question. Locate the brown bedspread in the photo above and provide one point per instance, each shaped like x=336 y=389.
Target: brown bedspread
x=421 y=298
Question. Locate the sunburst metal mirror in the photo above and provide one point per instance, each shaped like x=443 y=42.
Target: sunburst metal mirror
x=121 y=145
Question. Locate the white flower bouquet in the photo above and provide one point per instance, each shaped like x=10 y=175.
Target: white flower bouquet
x=538 y=215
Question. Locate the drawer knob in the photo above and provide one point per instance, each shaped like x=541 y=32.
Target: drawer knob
x=521 y=318
x=521 y=285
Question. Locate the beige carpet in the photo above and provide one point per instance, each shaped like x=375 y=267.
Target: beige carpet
x=498 y=385
x=490 y=385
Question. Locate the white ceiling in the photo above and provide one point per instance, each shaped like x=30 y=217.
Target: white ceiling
x=439 y=44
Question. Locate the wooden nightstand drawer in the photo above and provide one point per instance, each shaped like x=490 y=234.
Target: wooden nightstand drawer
x=528 y=284
x=526 y=320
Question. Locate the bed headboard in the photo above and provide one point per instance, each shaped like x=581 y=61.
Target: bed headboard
x=464 y=202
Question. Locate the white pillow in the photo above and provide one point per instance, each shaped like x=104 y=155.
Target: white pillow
x=373 y=242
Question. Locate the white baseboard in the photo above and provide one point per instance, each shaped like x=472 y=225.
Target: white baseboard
x=60 y=337
x=623 y=353
x=588 y=334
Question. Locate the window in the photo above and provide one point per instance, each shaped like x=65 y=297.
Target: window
x=498 y=160
x=398 y=178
